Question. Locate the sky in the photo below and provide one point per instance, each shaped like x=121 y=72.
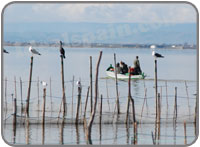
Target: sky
x=100 y=13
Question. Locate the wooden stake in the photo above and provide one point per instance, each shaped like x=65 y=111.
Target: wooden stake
x=91 y=95
x=100 y=110
x=188 y=99
x=86 y=100
x=15 y=112
x=29 y=88
x=166 y=98
x=78 y=104
x=153 y=138
x=107 y=95
x=135 y=133
x=43 y=108
x=50 y=90
x=72 y=98
x=156 y=87
x=88 y=132
x=63 y=85
x=185 y=133
x=175 y=104
x=21 y=95
x=6 y=95
x=145 y=91
x=116 y=82
x=38 y=92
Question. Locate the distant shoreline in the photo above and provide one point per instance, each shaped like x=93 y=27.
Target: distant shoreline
x=103 y=45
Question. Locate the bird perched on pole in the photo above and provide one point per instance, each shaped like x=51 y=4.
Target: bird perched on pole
x=62 y=51
x=157 y=55
x=44 y=84
x=33 y=51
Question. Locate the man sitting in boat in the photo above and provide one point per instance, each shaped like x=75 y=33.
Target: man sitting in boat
x=118 y=69
x=137 y=69
x=123 y=68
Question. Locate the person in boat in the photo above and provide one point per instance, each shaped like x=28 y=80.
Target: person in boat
x=137 y=69
x=118 y=69
x=110 y=68
x=123 y=68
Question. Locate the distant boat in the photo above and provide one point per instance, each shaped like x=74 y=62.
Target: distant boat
x=152 y=46
x=124 y=76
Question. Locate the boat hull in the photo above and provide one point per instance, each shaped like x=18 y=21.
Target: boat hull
x=124 y=76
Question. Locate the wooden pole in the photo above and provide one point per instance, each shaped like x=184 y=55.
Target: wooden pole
x=21 y=95
x=145 y=91
x=116 y=82
x=43 y=107
x=72 y=98
x=15 y=112
x=195 y=116
x=89 y=128
x=78 y=104
x=175 y=104
x=29 y=88
x=188 y=99
x=135 y=133
x=43 y=115
x=27 y=131
x=107 y=95
x=50 y=90
x=6 y=95
x=91 y=93
x=86 y=100
x=63 y=85
x=153 y=138
x=185 y=133
x=100 y=111
x=38 y=92
x=159 y=114
x=156 y=87
x=166 y=98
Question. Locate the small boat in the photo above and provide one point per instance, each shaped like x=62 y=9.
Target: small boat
x=124 y=76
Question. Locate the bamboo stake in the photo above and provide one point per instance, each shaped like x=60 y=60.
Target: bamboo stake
x=15 y=87
x=78 y=104
x=159 y=114
x=185 y=133
x=89 y=128
x=116 y=82
x=62 y=132
x=91 y=94
x=153 y=138
x=29 y=88
x=135 y=133
x=195 y=116
x=27 y=131
x=59 y=111
x=86 y=100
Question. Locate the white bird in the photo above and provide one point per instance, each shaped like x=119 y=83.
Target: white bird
x=33 y=51
x=78 y=83
x=44 y=84
x=157 y=55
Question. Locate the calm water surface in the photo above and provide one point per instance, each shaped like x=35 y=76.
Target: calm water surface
x=177 y=67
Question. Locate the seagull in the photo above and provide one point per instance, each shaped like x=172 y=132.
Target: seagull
x=157 y=55
x=33 y=51
x=62 y=51
x=5 y=51
x=78 y=83
x=44 y=84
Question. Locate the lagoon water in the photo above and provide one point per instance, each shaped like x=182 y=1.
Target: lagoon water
x=179 y=67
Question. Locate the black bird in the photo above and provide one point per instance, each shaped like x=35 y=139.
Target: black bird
x=62 y=51
x=5 y=51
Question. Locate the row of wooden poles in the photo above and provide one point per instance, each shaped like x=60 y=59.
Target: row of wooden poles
x=88 y=125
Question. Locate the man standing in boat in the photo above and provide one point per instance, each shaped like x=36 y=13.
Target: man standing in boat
x=137 y=68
